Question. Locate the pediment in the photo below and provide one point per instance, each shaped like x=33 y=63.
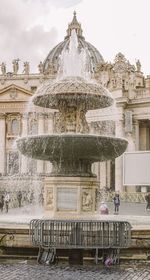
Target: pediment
x=14 y=93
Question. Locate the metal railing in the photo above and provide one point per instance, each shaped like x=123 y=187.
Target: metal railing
x=69 y=234
x=108 y=196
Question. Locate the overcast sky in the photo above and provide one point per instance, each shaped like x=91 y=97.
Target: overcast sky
x=31 y=28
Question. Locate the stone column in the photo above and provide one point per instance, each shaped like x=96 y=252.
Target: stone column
x=24 y=160
x=108 y=171
x=119 y=160
x=50 y=123
x=40 y=131
x=143 y=138
x=103 y=175
x=2 y=144
x=137 y=135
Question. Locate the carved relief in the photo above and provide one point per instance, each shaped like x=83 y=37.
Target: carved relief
x=81 y=123
x=87 y=200
x=49 y=198
x=120 y=64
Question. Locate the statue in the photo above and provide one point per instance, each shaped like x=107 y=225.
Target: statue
x=15 y=66
x=40 y=67
x=26 y=68
x=3 y=68
x=138 y=65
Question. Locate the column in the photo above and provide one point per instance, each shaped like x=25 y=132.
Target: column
x=2 y=143
x=24 y=160
x=119 y=160
x=40 y=132
x=108 y=172
x=50 y=123
x=103 y=181
x=137 y=135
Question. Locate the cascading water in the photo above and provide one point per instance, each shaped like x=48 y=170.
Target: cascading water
x=72 y=150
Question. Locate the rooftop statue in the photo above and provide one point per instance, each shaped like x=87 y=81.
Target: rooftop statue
x=40 y=67
x=15 y=63
x=3 y=68
x=26 y=69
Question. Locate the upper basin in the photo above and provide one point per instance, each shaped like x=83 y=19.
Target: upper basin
x=57 y=147
x=75 y=90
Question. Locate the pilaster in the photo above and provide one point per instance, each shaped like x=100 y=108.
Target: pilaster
x=24 y=159
x=2 y=143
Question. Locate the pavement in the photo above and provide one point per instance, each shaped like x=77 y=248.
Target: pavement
x=25 y=271
x=11 y=269
x=135 y=213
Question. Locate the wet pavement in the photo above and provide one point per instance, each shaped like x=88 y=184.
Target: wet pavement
x=135 y=213
x=25 y=271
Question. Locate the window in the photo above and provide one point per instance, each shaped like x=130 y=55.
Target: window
x=15 y=127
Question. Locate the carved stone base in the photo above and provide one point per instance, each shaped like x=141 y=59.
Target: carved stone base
x=70 y=195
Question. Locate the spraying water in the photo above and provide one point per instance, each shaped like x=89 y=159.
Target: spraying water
x=74 y=62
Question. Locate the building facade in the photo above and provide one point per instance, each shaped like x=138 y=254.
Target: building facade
x=129 y=118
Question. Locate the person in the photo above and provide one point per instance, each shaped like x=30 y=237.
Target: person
x=108 y=262
x=19 y=197
x=104 y=208
x=147 y=198
x=2 y=202
x=7 y=200
x=116 y=203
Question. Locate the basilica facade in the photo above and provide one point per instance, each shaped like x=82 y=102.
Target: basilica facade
x=129 y=118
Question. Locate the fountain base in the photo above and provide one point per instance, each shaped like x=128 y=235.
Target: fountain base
x=67 y=196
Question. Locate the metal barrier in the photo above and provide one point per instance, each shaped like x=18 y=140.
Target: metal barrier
x=80 y=234
x=136 y=197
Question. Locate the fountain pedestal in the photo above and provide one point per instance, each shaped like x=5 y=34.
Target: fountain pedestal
x=67 y=196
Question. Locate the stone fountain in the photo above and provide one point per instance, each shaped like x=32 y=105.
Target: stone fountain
x=72 y=187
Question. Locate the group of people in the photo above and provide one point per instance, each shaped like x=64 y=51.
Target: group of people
x=18 y=199
x=4 y=202
x=104 y=208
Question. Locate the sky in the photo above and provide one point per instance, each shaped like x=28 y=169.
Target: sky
x=31 y=28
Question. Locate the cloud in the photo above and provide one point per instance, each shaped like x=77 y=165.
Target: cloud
x=21 y=35
x=58 y=3
x=27 y=29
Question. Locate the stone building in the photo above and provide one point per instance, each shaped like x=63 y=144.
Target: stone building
x=18 y=117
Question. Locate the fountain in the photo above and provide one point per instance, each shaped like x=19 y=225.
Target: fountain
x=71 y=189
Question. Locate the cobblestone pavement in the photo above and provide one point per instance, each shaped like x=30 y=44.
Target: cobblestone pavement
x=25 y=271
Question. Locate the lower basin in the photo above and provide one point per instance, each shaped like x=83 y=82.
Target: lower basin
x=58 y=147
